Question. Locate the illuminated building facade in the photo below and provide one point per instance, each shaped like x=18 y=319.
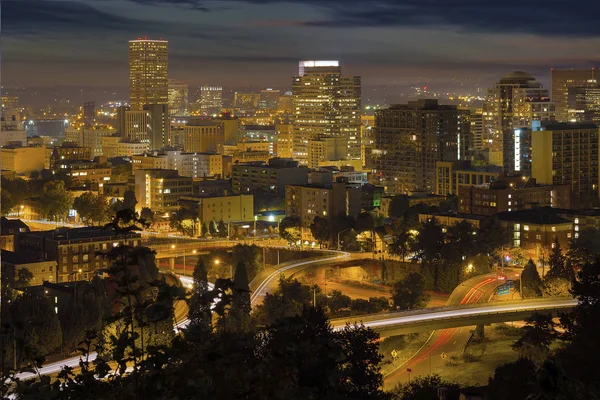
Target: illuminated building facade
x=271 y=178
x=210 y=101
x=411 y=138
x=583 y=104
x=563 y=79
x=203 y=137
x=148 y=73
x=74 y=250
x=269 y=99
x=22 y=160
x=246 y=101
x=158 y=126
x=233 y=208
x=178 y=97
x=517 y=96
x=325 y=104
x=161 y=189
x=567 y=154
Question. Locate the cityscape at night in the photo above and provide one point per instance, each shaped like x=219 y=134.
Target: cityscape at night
x=300 y=199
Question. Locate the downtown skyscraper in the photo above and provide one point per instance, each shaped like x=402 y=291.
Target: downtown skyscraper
x=411 y=138
x=570 y=83
x=515 y=101
x=148 y=72
x=325 y=105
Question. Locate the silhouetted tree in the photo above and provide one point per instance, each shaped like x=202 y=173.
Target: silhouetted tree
x=409 y=293
x=320 y=230
x=200 y=300
x=532 y=283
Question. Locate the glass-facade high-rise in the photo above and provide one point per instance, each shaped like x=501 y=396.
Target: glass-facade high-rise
x=148 y=73
x=325 y=104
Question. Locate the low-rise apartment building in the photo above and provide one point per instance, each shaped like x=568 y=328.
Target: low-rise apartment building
x=271 y=178
x=74 y=250
x=161 y=189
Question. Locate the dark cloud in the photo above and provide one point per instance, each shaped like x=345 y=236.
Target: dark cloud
x=551 y=17
x=192 y=4
x=50 y=17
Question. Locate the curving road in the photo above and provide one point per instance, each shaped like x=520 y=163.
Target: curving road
x=442 y=342
x=269 y=283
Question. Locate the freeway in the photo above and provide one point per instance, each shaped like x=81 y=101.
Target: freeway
x=441 y=342
x=262 y=287
x=434 y=317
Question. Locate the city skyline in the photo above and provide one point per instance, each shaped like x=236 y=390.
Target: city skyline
x=387 y=42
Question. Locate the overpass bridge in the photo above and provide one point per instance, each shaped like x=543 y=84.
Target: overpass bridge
x=171 y=249
x=426 y=320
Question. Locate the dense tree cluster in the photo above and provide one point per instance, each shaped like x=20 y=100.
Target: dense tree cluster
x=93 y=209
x=292 y=297
x=221 y=354
x=445 y=253
x=568 y=371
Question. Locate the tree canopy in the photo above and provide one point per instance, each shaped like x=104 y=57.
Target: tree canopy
x=410 y=293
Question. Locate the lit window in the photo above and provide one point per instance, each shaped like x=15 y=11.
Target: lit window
x=526 y=227
x=553 y=229
x=576 y=220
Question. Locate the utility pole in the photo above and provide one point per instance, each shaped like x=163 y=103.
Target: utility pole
x=521 y=285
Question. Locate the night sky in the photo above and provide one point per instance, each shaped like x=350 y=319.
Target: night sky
x=259 y=42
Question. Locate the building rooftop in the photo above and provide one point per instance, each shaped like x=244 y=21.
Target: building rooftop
x=590 y=212
x=519 y=75
x=12 y=226
x=273 y=163
x=565 y=126
x=19 y=258
x=423 y=104
x=538 y=216
x=476 y=217
x=74 y=234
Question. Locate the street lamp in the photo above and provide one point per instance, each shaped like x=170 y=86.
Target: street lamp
x=217 y=262
x=255 y=219
x=338 y=237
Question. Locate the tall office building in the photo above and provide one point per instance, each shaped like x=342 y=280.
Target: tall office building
x=411 y=138
x=210 y=101
x=567 y=154
x=89 y=113
x=158 y=126
x=563 y=79
x=515 y=91
x=132 y=125
x=246 y=101
x=148 y=72
x=325 y=104
x=477 y=129
x=269 y=99
x=203 y=137
x=583 y=104
x=178 y=97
